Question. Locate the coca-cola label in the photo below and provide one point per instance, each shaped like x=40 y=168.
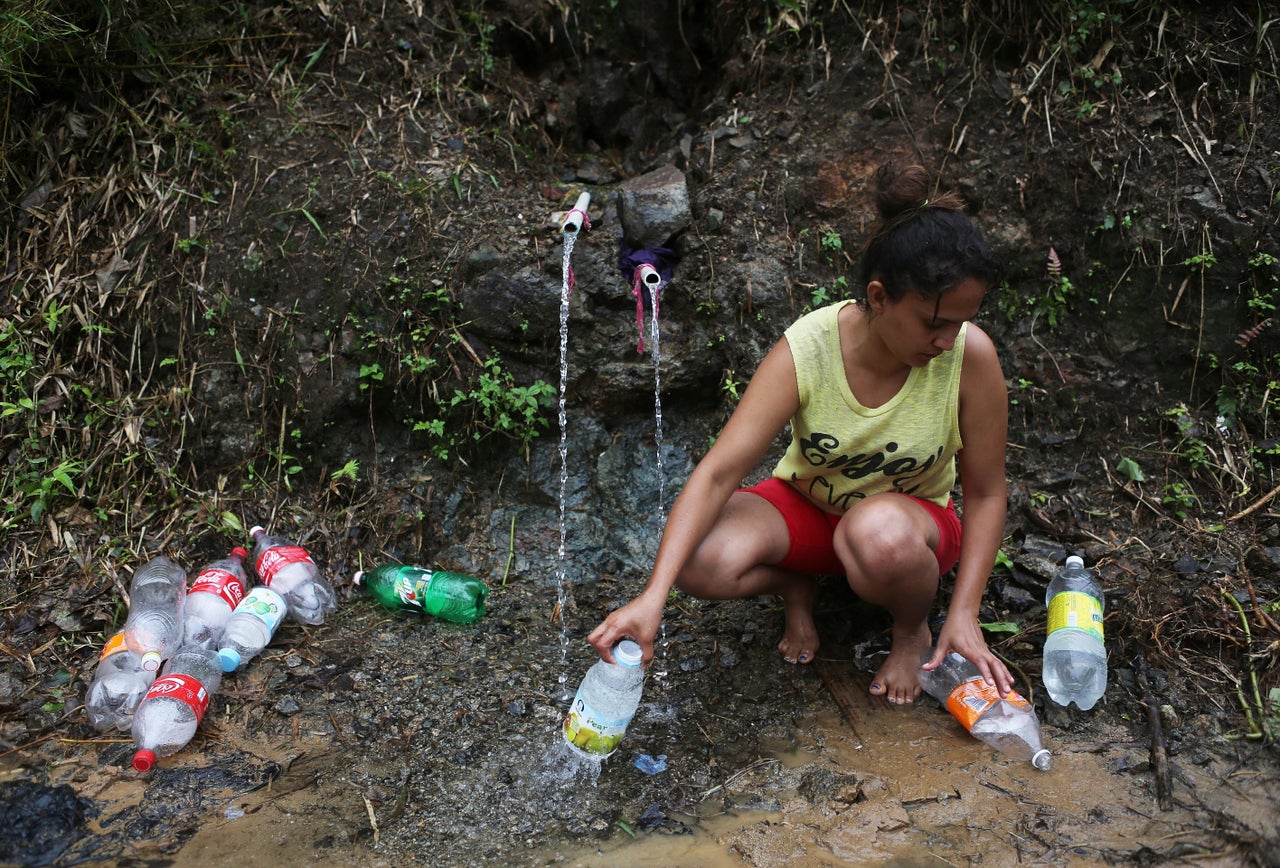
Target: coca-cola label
x=276 y=558
x=223 y=583
x=186 y=688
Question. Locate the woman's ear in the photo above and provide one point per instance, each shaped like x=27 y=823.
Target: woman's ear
x=877 y=296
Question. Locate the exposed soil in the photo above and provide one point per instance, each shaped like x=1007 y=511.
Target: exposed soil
x=382 y=739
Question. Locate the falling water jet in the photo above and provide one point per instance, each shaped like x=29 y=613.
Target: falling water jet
x=575 y=220
x=651 y=280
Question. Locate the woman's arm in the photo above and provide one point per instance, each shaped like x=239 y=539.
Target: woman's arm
x=984 y=428
x=769 y=402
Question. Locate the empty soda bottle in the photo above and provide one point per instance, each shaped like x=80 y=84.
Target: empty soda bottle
x=251 y=627
x=156 y=596
x=606 y=701
x=1075 y=658
x=215 y=592
x=1008 y=723
x=119 y=683
x=286 y=568
x=170 y=713
x=451 y=596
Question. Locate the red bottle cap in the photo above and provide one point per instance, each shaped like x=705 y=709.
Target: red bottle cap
x=143 y=760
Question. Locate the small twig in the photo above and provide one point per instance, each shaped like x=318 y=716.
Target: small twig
x=1159 y=750
x=1256 y=505
x=511 y=550
x=373 y=818
x=1258 y=727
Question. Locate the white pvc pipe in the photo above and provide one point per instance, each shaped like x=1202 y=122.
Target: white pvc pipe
x=577 y=215
x=649 y=275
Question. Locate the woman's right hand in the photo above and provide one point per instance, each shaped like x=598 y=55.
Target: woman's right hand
x=638 y=620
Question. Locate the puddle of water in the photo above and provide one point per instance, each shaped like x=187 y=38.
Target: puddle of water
x=909 y=787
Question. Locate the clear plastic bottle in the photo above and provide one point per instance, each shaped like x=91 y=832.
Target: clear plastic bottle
x=215 y=592
x=154 y=626
x=287 y=569
x=1009 y=723
x=452 y=596
x=606 y=701
x=119 y=683
x=1075 y=658
x=170 y=713
x=251 y=627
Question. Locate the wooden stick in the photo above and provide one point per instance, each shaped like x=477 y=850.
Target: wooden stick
x=1159 y=752
x=1256 y=505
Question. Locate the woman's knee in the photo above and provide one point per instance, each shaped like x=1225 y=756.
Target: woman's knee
x=879 y=543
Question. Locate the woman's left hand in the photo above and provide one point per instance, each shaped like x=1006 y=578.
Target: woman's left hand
x=963 y=636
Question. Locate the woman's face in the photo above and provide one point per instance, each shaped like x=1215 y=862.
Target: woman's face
x=915 y=329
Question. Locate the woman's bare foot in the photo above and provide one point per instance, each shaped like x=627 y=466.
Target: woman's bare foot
x=800 y=638
x=896 y=680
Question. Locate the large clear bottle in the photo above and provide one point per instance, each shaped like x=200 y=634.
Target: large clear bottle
x=215 y=592
x=606 y=701
x=287 y=568
x=1008 y=723
x=154 y=626
x=251 y=627
x=119 y=683
x=1075 y=659
x=170 y=713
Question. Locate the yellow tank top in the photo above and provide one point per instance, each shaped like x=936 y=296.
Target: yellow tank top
x=842 y=451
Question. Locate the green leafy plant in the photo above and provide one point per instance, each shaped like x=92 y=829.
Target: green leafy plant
x=494 y=404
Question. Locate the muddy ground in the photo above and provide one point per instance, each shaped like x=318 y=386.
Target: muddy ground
x=382 y=739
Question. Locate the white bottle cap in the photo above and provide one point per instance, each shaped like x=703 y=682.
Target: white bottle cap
x=628 y=653
x=355 y=580
x=1075 y=561
x=1043 y=760
x=255 y=530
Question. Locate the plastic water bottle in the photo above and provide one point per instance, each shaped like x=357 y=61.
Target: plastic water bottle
x=251 y=627
x=171 y=711
x=1075 y=659
x=119 y=683
x=451 y=596
x=286 y=568
x=154 y=626
x=1008 y=723
x=215 y=592
x=606 y=701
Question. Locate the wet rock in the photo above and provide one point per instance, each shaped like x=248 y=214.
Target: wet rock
x=10 y=691
x=40 y=822
x=823 y=785
x=654 y=207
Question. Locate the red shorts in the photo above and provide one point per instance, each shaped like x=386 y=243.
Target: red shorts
x=812 y=530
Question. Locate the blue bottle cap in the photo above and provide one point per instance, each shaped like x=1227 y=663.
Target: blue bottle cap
x=229 y=658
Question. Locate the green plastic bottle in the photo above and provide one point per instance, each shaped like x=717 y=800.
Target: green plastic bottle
x=451 y=596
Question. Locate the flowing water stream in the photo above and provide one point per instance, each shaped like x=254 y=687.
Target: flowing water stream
x=565 y=691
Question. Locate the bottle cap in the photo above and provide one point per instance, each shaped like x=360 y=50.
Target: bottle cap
x=355 y=580
x=143 y=760
x=1043 y=760
x=229 y=658
x=628 y=653
x=255 y=530
x=1075 y=561
x=239 y=552
x=151 y=661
